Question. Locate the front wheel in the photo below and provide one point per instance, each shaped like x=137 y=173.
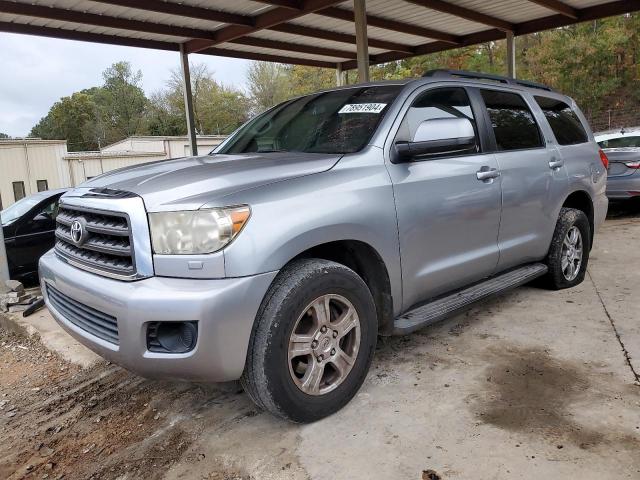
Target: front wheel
x=313 y=341
x=569 y=252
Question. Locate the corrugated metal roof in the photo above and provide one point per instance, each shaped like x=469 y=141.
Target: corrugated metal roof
x=260 y=30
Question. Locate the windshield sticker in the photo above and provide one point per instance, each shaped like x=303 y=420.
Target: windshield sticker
x=363 y=108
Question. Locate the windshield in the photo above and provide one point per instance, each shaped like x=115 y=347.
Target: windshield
x=12 y=212
x=340 y=121
x=620 y=142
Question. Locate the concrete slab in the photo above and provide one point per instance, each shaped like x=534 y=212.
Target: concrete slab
x=42 y=324
x=615 y=271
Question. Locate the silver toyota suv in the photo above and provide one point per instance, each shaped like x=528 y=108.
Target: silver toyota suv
x=373 y=209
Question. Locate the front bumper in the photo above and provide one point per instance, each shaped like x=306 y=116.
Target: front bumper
x=225 y=310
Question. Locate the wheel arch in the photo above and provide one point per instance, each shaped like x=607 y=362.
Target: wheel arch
x=581 y=200
x=365 y=260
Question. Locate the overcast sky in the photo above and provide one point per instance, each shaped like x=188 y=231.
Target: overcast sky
x=37 y=71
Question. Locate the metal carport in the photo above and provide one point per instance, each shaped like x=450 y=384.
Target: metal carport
x=339 y=34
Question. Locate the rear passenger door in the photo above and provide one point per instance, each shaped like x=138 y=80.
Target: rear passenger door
x=534 y=179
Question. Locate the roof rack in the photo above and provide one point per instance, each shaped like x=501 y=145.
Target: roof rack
x=443 y=72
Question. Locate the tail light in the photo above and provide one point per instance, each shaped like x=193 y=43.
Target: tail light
x=604 y=159
x=634 y=165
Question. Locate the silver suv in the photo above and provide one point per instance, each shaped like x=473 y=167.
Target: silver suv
x=373 y=209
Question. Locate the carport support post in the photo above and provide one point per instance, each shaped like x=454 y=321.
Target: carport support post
x=511 y=55
x=188 y=100
x=362 y=42
x=340 y=76
x=4 y=266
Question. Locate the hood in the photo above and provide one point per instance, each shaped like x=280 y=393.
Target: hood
x=189 y=183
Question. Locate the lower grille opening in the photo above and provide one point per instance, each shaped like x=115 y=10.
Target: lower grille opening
x=172 y=337
x=89 y=319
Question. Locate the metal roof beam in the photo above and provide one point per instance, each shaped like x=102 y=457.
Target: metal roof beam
x=264 y=57
x=558 y=7
x=462 y=12
x=293 y=47
x=182 y=10
x=23 y=28
x=311 y=32
x=260 y=22
x=75 y=16
x=554 y=21
x=200 y=13
x=388 y=24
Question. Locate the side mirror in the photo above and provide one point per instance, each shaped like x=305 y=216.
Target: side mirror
x=42 y=218
x=439 y=136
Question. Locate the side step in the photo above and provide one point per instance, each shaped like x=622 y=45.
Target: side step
x=461 y=300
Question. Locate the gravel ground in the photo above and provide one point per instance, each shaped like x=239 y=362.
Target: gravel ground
x=535 y=384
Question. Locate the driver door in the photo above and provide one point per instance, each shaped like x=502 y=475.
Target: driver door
x=448 y=217
x=35 y=235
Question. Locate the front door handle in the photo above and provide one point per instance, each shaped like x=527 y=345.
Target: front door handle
x=555 y=164
x=486 y=173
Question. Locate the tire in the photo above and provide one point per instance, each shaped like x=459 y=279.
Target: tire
x=559 y=276
x=283 y=385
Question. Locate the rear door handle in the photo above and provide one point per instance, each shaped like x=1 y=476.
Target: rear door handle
x=555 y=164
x=486 y=173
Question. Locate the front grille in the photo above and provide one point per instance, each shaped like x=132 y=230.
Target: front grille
x=89 y=319
x=106 y=245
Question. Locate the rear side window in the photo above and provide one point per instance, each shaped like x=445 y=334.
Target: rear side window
x=514 y=126
x=621 y=142
x=563 y=120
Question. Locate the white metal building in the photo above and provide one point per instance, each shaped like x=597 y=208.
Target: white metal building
x=31 y=165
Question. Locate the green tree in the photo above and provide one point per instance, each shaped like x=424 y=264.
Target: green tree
x=217 y=109
x=4 y=136
x=122 y=102
x=268 y=85
x=70 y=119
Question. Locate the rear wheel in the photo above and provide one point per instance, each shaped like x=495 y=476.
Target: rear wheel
x=569 y=252
x=313 y=341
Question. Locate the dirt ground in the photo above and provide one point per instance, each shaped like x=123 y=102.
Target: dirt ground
x=534 y=384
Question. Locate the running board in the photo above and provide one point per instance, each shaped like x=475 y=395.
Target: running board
x=461 y=300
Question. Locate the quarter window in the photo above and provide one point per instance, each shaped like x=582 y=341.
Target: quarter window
x=514 y=126
x=563 y=121
x=18 y=191
x=438 y=103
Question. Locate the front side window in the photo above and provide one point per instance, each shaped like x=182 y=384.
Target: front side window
x=514 y=126
x=339 y=121
x=433 y=104
x=621 y=142
x=564 y=122
x=18 y=209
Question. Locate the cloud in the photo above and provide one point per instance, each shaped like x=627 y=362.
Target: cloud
x=37 y=71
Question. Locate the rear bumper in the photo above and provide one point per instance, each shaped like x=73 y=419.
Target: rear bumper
x=225 y=310
x=623 y=187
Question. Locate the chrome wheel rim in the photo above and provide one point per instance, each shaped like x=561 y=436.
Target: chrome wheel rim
x=324 y=344
x=571 y=258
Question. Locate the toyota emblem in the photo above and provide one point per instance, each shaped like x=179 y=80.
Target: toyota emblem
x=77 y=232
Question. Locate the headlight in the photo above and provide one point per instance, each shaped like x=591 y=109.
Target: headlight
x=196 y=232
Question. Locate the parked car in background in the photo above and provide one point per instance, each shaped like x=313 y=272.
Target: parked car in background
x=622 y=148
x=29 y=231
x=332 y=218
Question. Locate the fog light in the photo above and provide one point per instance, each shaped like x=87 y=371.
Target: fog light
x=171 y=337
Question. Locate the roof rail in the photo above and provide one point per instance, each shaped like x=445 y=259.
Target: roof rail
x=443 y=72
